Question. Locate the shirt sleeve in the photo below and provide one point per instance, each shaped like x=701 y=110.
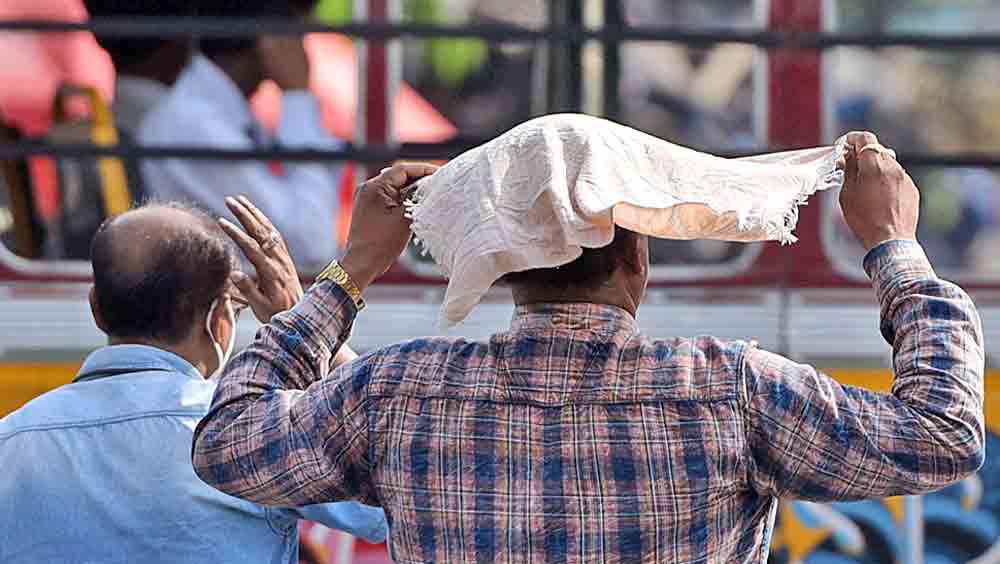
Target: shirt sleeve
x=302 y=199
x=281 y=430
x=350 y=516
x=813 y=438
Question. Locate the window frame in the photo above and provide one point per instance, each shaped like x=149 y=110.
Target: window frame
x=829 y=207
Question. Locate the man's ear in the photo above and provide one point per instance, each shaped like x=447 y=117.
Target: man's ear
x=221 y=327
x=96 y=311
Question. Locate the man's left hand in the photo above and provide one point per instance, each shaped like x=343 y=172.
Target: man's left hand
x=277 y=288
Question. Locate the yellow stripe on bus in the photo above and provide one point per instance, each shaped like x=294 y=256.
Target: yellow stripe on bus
x=881 y=381
x=20 y=382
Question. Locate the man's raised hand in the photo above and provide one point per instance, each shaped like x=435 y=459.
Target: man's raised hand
x=277 y=287
x=879 y=200
x=379 y=231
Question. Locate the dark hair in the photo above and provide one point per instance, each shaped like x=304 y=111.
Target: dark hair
x=129 y=51
x=591 y=270
x=159 y=290
x=244 y=9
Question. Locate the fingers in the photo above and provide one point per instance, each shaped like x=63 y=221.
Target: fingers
x=259 y=303
x=251 y=224
x=402 y=175
x=258 y=215
x=857 y=140
x=865 y=155
x=247 y=244
x=879 y=149
x=393 y=181
x=248 y=289
x=862 y=147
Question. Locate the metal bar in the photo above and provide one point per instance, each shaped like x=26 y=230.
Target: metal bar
x=496 y=32
x=592 y=60
x=377 y=154
x=795 y=120
x=574 y=57
x=375 y=87
x=614 y=18
x=565 y=77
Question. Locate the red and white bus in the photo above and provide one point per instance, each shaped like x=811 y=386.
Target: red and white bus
x=810 y=301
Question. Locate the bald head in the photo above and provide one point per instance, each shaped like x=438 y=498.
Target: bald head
x=157 y=270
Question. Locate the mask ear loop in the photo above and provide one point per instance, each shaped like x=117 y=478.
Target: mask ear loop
x=219 y=353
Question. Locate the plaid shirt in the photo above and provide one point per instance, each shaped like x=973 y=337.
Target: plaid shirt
x=574 y=438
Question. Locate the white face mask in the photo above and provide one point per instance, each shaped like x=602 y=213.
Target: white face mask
x=222 y=355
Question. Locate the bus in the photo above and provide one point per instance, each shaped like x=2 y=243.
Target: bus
x=809 y=301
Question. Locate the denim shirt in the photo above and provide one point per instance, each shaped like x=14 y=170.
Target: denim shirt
x=100 y=471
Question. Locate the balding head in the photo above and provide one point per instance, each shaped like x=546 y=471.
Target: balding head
x=157 y=270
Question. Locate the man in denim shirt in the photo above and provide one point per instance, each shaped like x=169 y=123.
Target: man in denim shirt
x=100 y=470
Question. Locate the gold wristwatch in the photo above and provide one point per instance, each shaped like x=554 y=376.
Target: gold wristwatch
x=336 y=274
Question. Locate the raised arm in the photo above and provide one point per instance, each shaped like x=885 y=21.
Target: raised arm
x=280 y=431
x=813 y=438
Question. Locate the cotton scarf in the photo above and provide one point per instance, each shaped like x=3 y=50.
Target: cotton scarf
x=535 y=196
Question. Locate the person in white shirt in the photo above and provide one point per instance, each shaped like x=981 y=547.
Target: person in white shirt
x=209 y=106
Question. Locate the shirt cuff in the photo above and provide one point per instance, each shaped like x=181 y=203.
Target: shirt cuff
x=301 y=123
x=893 y=262
x=336 y=308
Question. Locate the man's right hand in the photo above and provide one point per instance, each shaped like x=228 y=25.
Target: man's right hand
x=879 y=200
x=379 y=231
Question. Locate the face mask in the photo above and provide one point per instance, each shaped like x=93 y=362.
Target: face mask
x=223 y=356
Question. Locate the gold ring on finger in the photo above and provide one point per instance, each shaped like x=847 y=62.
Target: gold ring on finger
x=271 y=242
x=878 y=148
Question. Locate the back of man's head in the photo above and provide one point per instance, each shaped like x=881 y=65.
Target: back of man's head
x=592 y=270
x=130 y=52
x=157 y=270
x=257 y=9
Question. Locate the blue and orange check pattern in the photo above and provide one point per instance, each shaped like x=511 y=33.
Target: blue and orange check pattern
x=572 y=437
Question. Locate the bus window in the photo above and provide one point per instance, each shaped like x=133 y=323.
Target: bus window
x=6 y=216
x=924 y=101
x=704 y=98
x=483 y=88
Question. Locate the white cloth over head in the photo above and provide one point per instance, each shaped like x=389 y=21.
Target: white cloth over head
x=535 y=196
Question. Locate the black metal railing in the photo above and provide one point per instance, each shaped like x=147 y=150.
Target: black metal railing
x=569 y=32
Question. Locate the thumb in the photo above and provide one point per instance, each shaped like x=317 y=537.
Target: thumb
x=258 y=301
x=850 y=168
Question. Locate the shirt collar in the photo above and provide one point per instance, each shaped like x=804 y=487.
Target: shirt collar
x=138 y=358
x=204 y=80
x=579 y=316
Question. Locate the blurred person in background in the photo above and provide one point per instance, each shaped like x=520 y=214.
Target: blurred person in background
x=145 y=68
x=209 y=106
x=932 y=102
x=482 y=87
x=99 y=470
x=572 y=436
x=701 y=97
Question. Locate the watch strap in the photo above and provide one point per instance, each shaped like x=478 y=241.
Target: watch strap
x=336 y=274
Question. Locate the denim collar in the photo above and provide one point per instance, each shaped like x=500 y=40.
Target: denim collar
x=115 y=360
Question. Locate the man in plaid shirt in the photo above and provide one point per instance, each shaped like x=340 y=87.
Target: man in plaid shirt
x=571 y=437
